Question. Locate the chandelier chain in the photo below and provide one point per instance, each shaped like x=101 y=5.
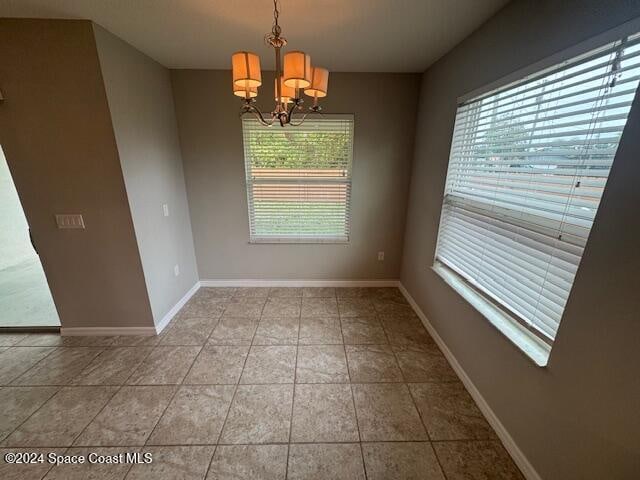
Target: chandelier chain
x=276 y=13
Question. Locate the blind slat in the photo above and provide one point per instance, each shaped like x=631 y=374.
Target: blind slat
x=528 y=165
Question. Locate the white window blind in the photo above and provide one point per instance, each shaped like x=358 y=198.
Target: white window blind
x=528 y=166
x=299 y=180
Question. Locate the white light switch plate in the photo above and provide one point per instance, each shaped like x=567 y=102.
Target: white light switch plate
x=165 y=210
x=70 y=221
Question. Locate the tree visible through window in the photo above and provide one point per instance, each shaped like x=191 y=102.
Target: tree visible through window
x=299 y=180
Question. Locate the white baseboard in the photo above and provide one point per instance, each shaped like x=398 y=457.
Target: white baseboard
x=164 y=321
x=509 y=444
x=105 y=331
x=299 y=283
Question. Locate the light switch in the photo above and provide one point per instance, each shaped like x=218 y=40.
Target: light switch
x=165 y=209
x=70 y=221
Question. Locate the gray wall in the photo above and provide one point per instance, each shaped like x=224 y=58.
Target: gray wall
x=143 y=116
x=56 y=133
x=211 y=139
x=578 y=418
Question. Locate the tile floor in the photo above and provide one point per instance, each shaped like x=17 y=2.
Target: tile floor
x=251 y=383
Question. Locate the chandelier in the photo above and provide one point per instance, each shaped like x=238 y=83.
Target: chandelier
x=295 y=76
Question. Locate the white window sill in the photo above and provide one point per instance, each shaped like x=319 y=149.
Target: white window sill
x=532 y=346
x=298 y=240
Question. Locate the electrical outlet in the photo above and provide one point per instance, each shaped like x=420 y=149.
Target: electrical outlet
x=380 y=256
x=70 y=221
x=165 y=210
x=176 y=270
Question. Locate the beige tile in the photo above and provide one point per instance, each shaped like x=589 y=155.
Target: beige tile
x=405 y=330
x=362 y=330
x=174 y=463
x=315 y=292
x=282 y=307
x=245 y=307
x=325 y=461
x=218 y=365
x=354 y=292
x=189 y=331
x=259 y=414
x=60 y=367
x=128 y=418
x=204 y=307
x=259 y=292
x=449 y=412
x=18 y=403
x=164 y=366
x=477 y=460
x=388 y=294
x=194 y=416
x=61 y=419
x=92 y=470
x=315 y=307
x=273 y=364
x=320 y=330
x=87 y=341
x=41 y=340
x=26 y=471
x=215 y=292
x=355 y=307
x=56 y=340
x=137 y=340
x=113 y=366
x=372 y=363
x=277 y=331
x=401 y=461
x=14 y=361
x=239 y=462
x=323 y=413
x=234 y=331
x=321 y=364
x=386 y=413
x=285 y=292
x=397 y=309
x=10 y=339
x=418 y=366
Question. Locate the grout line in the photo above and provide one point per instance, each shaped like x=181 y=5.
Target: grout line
x=353 y=401
x=112 y=396
x=293 y=398
x=60 y=387
x=177 y=388
x=235 y=391
x=334 y=442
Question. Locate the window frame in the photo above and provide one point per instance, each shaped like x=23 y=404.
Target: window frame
x=300 y=238
x=528 y=340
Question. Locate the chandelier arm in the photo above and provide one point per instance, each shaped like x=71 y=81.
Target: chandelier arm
x=304 y=117
x=256 y=113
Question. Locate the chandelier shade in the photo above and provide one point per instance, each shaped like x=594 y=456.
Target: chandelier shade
x=244 y=91
x=297 y=69
x=246 y=69
x=319 y=83
x=287 y=94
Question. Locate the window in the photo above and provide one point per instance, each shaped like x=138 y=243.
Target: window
x=527 y=168
x=299 y=180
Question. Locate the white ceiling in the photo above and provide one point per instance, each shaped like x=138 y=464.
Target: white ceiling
x=343 y=35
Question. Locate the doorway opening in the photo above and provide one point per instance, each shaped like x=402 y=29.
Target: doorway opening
x=25 y=298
